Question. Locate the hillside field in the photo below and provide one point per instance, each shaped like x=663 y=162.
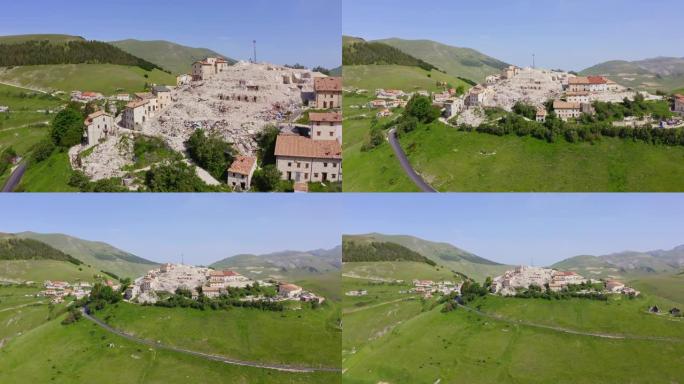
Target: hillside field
x=41 y=270
x=397 y=270
x=372 y=77
x=50 y=175
x=83 y=352
x=298 y=337
x=105 y=78
x=452 y=160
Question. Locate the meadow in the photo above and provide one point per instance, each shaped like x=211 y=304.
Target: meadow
x=299 y=337
x=372 y=77
x=105 y=78
x=41 y=270
x=83 y=352
x=458 y=161
x=50 y=175
x=405 y=270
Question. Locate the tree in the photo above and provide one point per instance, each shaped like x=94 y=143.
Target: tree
x=322 y=70
x=210 y=153
x=67 y=128
x=266 y=179
x=174 y=176
x=266 y=141
x=421 y=108
x=42 y=150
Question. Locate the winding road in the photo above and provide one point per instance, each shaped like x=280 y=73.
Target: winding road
x=417 y=179
x=15 y=178
x=571 y=331
x=208 y=356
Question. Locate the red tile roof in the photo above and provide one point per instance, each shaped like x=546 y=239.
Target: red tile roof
x=136 y=104
x=327 y=117
x=328 y=84
x=299 y=146
x=679 y=97
x=289 y=287
x=94 y=115
x=242 y=165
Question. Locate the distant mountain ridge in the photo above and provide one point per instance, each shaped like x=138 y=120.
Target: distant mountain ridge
x=665 y=73
x=98 y=254
x=626 y=262
x=466 y=63
x=284 y=262
x=169 y=55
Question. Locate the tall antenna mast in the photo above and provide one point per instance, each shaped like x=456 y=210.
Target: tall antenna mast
x=182 y=259
x=255 y=57
x=533 y=61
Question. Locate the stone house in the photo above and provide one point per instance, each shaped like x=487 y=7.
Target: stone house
x=205 y=69
x=566 y=110
x=577 y=97
x=240 y=173
x=679 y=104
x=98 y=126
x=588 y=84
x=302 y=159
x=136 y=114
x=328 y=91
x=163 y=96
x=326 y=126
x=541 y=114
x=289 y=291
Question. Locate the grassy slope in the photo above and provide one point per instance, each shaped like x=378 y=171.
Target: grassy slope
x=632 y=75
x=174 y=57
x=462 y=347
x=372 y=77
x=105 y=78
x=405 y=270
x=452 y=161
x=41 y=270
x=20 y=311
x=464 y=62
x=373 y=170
x=100 y=255
x=670 y=287
x=83 y=352
x=306 y=336
x=50 y=175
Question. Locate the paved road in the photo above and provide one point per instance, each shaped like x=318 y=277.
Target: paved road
x=15 y=178
x=425 y=187
x=222 y=359
x=571 y=331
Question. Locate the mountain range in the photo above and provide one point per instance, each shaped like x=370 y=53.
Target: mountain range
x=284 y=263
x=659 y=73
x=626 y=263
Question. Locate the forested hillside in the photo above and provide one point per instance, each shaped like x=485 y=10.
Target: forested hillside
x=12 y=248
x=364 y=53
x=72 y=52
x=380 y=251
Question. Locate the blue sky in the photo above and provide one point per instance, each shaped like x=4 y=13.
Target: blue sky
x=287 y=31
x=159 y=227
x=568 y=34
x=518 y=228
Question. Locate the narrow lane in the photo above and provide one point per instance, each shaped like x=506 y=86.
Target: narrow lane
x=15 y=178
x=399 y=152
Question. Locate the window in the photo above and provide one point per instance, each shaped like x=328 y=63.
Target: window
x=306 y=165
x=315 y=174
x=331 y=133
x=318 y=133
x=299 y=165
x=325 y=165
x=332 y=176
x=289 y=164
x=306 y=176
x=334 y=165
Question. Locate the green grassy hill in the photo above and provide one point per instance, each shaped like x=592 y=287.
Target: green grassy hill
x=359 y=249
x=16 y=248
x=358 y=52
x=83 y=352
x=589 y=266
x=312 y=336
x=372 y=77
x=393 y=270
x=459 y=62
x=174 y=57
x=18 y=271
x=98 y=254
x=105 y=78
x=444 y=254
x=460 y=346
x=452 y=160
x=52 y=38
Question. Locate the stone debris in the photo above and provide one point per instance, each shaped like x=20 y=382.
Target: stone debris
x=106 y=159
x=236 y=104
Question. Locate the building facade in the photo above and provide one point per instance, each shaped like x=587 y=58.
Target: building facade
x=328 y=91
x=240 y=173
x=303 y=160
x=326 y=126
x=98 y=126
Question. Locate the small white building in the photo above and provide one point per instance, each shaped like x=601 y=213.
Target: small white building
x=136 y=115
x=566 y=110
x=326 y=126
x=240 y=173
x=163 y=96
x=183 y=79
x=98 y=126
x=453 y=107
x=475 y=97
x=577 y=97
x=541 y=114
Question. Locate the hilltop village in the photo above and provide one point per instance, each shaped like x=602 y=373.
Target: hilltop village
x=234 y=102
x=169 y=278
x=512 y=282
x=564 y=93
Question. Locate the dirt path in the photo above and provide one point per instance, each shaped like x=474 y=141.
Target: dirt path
x=572 y=331
x=208 y=356
x=21 y=306
x=23 y=87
